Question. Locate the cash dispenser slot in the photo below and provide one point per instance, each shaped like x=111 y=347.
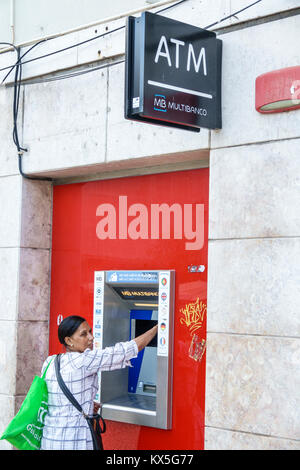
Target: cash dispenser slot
x=147 y=388
x=130 y=303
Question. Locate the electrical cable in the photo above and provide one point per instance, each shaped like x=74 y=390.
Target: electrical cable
x=21 y=57
x=170 y=6
x=233 y=14
x=16 y=102
x=61 y=50
x=75 y=74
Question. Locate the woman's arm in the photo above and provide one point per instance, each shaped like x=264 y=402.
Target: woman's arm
x=145 y=338
x=113 y=357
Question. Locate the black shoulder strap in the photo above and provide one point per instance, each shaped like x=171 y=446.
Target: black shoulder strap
x=63 y=386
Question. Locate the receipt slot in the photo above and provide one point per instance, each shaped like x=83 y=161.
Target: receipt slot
x=126 y=304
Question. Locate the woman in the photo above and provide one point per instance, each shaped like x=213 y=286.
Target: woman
x=65 y=428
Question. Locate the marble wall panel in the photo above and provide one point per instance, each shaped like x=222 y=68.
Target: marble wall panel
x=32 y=350
x=255 y=191
x=8 y=338
x=252 y=384
x=34 y=287
x=223 y=439
x=253 y=286
x=6 y=414
x=36 y=214
x=10 y=211
x=9 y=283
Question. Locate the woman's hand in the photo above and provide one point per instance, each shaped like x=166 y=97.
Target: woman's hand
x=96 y=407
x=145 y=338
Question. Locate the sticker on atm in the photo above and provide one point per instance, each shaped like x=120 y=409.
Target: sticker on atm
x=98 y=308
x=132 y=276
x=163 y=314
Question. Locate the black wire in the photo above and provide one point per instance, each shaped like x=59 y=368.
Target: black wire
x=16 y=103
x=78 y=73
x=17 y=88
x=20 y=58
x=64 y=49
x=170 y=6
x=233 y=14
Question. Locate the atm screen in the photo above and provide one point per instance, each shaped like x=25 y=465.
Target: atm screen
x=141 y=326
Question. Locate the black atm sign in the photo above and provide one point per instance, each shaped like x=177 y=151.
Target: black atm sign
x=173 y=73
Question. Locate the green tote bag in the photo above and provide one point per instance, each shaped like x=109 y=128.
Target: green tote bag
x=26 y=428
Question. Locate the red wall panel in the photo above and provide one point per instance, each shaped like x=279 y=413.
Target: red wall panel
x=77 y=252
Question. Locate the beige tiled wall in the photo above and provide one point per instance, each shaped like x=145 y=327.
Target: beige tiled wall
x=253 y=342
x=25 y=288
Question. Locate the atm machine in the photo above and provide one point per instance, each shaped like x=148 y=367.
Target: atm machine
x=126 y=304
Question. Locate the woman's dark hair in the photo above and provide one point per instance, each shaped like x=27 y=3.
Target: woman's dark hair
x=68 y=326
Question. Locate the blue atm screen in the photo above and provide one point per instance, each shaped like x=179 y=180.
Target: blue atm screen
x=141 y=326
x=142 y=376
